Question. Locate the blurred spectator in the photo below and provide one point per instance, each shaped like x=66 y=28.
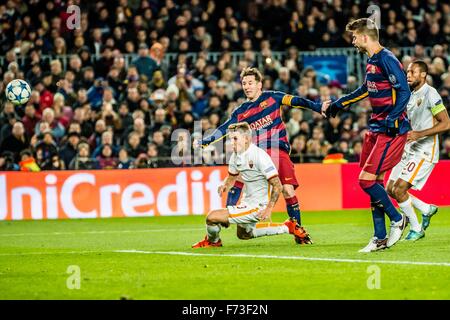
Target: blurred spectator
x=30 y=120
x=45 y=150
x=7 y=162
x=106 y=159
x=69 y=150
x=16 y=142
x=144 y=63
x=82 y=160
x=48 y=116
x=124 y=162
x=284 y=82
x=27 y=162
x=133 y=145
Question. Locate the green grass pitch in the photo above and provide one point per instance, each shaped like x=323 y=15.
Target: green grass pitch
x=151 y=258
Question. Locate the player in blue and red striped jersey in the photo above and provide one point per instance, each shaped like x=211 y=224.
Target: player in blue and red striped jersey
x=262 y=111
x=388 y=92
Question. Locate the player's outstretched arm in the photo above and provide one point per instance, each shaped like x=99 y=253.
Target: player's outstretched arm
x=276 y=188
x=299 y=102
x=442 y=125
x=219 y=133
x=348 y=100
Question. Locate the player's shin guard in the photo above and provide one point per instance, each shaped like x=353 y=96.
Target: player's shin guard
x=234 y=194
x=378 y=193
x=379 y=223
x=293 y=209
x=212 y=231
x=269 y=229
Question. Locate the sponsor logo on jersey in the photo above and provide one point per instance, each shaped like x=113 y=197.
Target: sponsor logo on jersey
x=372 y=86
x=261 y=123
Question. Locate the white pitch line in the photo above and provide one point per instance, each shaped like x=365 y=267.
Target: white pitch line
x=49 y=253
x=178 y=253
x=90 y=232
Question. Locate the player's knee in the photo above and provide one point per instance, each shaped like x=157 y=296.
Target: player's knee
x=365 y=184
x=243 y=233
x=288 y=191
x=399 y=192
x=212 y=217
x=390 y=189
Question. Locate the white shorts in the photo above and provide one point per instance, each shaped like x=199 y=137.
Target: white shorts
x=244 y=214
x=412 y=169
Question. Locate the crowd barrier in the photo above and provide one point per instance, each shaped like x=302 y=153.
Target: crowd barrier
x=177 y=191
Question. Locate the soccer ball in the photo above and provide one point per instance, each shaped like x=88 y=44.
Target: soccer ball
x=18 y=91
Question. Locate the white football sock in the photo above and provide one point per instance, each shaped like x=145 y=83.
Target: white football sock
x=408 y=210
x=423 y=207
x=213 y=232
x=269 y=229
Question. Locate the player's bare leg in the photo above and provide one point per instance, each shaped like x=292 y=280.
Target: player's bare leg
x=293 y=208
x=399 y=191
x=380 y=202
x=214 y=221
x=217 y=219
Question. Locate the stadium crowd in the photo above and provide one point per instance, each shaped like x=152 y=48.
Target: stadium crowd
x=99 y=113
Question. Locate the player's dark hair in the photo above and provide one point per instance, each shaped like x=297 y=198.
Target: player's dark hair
x=252 y=72
x=422 y=65
x=364 y=26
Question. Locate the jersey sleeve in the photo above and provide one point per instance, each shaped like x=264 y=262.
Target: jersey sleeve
x=435 y=103
x=393 y=70
x=266 y=165
x=355 y=96
x=299 y=102
x=221 y=130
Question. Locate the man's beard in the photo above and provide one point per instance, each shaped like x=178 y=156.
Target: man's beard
x=414 y=85
x=361 y=49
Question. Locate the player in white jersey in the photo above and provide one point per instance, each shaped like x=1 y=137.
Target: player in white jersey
x=262 y=188
x=428 y=118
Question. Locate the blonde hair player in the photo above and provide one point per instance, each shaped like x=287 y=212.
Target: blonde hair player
x=262 y=189
x=428 y=118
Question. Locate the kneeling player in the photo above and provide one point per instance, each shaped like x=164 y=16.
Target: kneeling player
x=428 y=118
x=260 y=178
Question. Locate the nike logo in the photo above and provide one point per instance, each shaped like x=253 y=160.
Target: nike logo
x=246 y=114
x=287 y=179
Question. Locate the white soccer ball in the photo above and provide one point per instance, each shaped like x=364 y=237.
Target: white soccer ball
x=18 y=91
